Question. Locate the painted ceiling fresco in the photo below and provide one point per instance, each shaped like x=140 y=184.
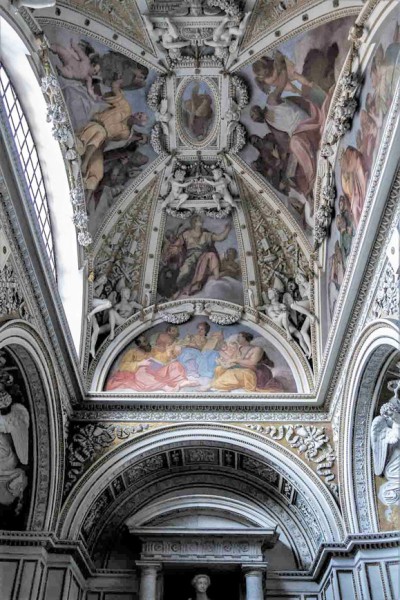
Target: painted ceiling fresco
x=202 y=169
x=200 y=357
x=357 y=153
x=291 y=90
x=105 y=93
x=200 y=258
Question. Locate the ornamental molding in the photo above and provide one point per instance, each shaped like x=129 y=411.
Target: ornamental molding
x=247 y=545
x=106 y=408
x=361 y=476
x=385 y=229
x=117 y=502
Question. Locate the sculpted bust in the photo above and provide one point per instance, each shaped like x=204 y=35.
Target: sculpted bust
x=201 y=583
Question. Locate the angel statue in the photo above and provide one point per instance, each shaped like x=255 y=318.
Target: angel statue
x=99 y=305
x=385 y=442
x=14 y=446
x=220 y=183
x=176 y=193
x=167 y=39
x=226 y=38
x=302 y=306
x=118 y=312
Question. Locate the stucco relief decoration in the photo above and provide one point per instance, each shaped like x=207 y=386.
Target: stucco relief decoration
x=338 y=124
x=311 y=442
x=195 y=31
x=12 y=302
x=387 y=299
x=15 y=445
x=90 y=441
x=201 y=188
x=109 y=115
x=117 y=273
x=239 y=98
x=158 y=102
x=62 y=132
x=385 y=443
x=285 y=278
x=200 y=356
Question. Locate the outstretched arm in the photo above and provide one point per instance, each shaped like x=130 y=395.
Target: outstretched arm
x=172 y=29
x=220 y=237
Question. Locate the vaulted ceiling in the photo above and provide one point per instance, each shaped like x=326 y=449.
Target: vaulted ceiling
x=222 y=202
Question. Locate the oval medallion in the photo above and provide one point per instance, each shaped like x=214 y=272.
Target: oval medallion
x=197 y=111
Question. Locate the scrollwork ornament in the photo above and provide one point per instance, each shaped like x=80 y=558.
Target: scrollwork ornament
x=310 y=441
x=177 y=318
x=89 y=441
x=387 y=299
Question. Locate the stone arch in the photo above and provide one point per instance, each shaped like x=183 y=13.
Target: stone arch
x=375 y=349
x=120 y=483
x=27 y=349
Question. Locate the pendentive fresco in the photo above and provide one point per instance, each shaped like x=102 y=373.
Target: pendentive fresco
x=291 y=91
x=105 y=93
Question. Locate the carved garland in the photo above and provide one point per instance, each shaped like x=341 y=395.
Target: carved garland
x=62 y=132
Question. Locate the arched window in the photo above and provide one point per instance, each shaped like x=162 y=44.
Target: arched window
x=25 y=146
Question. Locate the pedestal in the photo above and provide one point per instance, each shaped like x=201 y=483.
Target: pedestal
x=148 y=579
x=254 y=581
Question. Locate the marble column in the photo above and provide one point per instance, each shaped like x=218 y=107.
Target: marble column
x=254 y=581
x=148 y=579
